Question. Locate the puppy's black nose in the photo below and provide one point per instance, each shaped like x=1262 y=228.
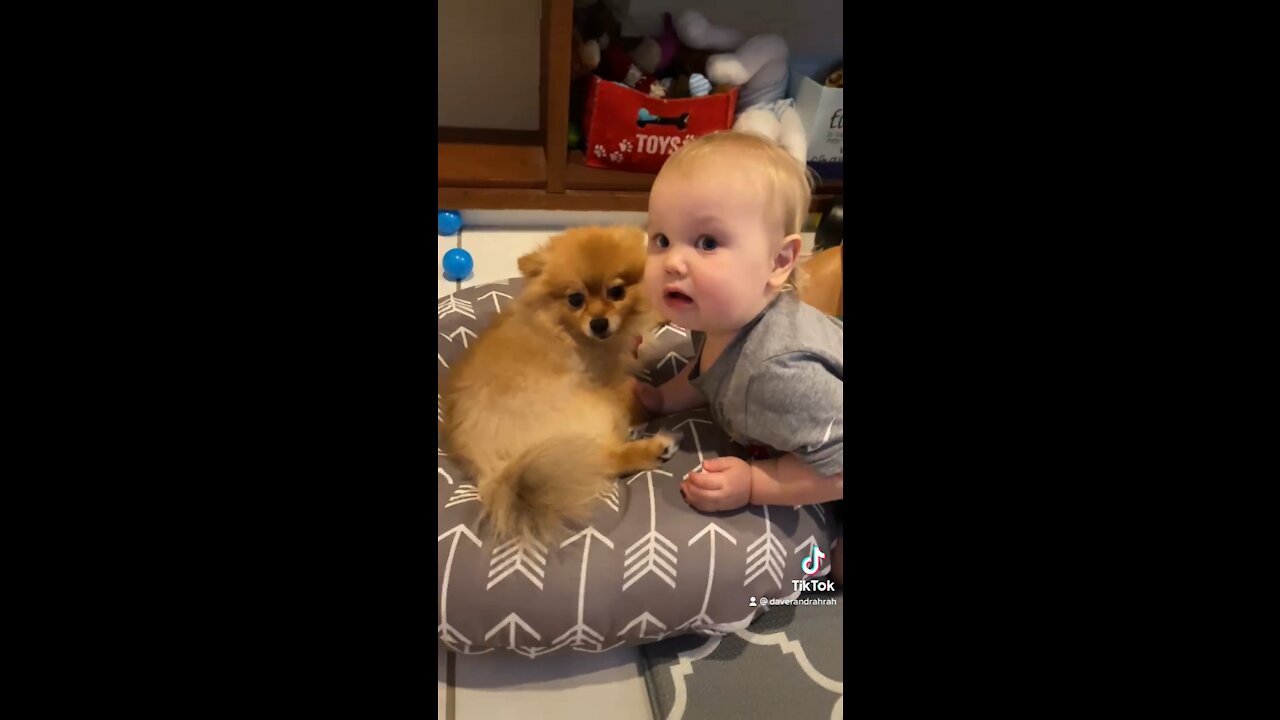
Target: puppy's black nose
x=599 y=326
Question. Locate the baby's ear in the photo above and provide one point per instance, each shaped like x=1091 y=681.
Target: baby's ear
x=532 y=265
x=785 y=261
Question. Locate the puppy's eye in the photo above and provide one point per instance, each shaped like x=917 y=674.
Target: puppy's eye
x=576 y=300
x=661 y=240
x=617 y=292
x=706 y=243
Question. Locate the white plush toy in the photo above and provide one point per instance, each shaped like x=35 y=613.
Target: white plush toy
x=759 y=67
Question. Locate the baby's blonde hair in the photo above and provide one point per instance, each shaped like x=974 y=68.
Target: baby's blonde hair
x=786 y=181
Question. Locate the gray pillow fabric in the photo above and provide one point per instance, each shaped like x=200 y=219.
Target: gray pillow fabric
x=647 y=567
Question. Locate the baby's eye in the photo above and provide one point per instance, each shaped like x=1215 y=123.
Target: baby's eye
x=576 y=300
x=617 y=292
x=661 y=240
x=706 y=243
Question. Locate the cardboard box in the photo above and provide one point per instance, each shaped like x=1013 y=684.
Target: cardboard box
x=821 y=109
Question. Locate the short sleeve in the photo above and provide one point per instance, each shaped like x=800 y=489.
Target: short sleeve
x=795 y=404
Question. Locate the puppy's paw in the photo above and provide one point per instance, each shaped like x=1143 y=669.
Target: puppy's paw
x=671 y=440
x=647 y=453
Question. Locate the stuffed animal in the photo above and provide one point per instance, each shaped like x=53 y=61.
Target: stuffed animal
x=619 y=66
x=593 y=26
x=695 y=32
x=594 y=19
x=758 y=67
x=654 y=54
x=585 y=56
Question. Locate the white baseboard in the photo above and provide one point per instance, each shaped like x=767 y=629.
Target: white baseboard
x=553 y=219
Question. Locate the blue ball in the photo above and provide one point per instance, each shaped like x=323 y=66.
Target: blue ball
x=457 y=264
x=448 y=222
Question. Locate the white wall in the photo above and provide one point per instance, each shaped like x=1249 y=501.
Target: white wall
x=490 y=55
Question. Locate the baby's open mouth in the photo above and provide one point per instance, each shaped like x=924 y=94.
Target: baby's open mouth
x=675 y=296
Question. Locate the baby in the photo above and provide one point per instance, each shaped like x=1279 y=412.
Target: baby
x=725 y=215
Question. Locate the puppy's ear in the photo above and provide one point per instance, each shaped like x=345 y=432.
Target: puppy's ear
x=634 y=242
x=635 y=235
x=531 y=265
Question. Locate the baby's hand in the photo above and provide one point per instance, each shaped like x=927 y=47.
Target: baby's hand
x=650 y=397
x=724 y=484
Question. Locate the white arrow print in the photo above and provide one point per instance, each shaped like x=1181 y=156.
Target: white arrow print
x=465 y=332
x=580 y=631
x=464 y=648
x=646 y=554
x=533 y=651
x=440 y=471
x=464 y=493
x=447 y=631
x=438 y=355
x=610 y=496
x=701 y=618
x=512 y=555
x=511 y=621
x=766 y=555
x=493 y=293
x=453 y=304
x=697 y=443
x=672 y=357
x=807 y=542
x=644 y=619
x=439 y=409
x=822 y=515
x=673 y=328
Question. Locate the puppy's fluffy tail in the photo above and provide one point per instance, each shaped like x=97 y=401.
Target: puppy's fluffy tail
x=549 y=484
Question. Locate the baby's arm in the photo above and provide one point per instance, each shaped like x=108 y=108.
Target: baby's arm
x=795 y=404
x=787 y=480
x=672 y=396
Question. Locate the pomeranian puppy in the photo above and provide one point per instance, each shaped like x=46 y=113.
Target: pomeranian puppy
x=539 y=410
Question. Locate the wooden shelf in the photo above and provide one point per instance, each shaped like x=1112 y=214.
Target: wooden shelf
x=587 y=188
x=537 y=199
x=580 y=177
x=475 y=165
x=577 y=176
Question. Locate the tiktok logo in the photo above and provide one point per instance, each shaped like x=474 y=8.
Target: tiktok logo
x=813 y=563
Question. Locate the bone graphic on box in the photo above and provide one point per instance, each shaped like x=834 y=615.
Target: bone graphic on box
x=644 y=117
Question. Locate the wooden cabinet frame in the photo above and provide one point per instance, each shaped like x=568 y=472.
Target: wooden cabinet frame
x=522 y=170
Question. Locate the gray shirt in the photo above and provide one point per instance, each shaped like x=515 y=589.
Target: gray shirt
x=780 y=383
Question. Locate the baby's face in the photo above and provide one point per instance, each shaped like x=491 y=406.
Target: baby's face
x=711 y=248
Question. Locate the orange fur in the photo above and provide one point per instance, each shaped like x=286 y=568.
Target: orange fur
x=539 y=409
